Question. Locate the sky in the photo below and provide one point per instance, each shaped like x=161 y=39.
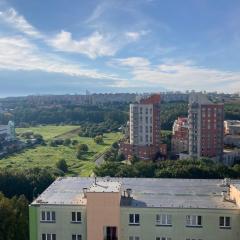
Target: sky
x=62 y=46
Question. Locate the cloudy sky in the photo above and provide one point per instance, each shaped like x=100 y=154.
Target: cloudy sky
x=68 y=46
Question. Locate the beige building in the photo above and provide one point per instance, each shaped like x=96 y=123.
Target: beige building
x=137 y=209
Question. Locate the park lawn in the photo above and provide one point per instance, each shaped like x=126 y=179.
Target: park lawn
x=48 y=131
x=47 y=156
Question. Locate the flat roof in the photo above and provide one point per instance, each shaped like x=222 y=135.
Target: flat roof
x=146 y=192
x=105 y=186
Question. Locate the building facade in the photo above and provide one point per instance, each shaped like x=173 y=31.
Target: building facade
x=137 y=209
x=206 y=130
x=144 y=129
x=179 y=141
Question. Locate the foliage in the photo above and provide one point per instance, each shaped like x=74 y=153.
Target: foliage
x=99 y=139
x=13 y=218
x=203 y=168
x=81 y=150
x=29 y=182
x=62 y=165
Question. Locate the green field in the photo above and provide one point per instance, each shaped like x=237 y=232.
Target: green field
x=48 y=132
x=47 y=156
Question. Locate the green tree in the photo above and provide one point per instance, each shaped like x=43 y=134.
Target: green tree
x=62 y=165
x=98 y=139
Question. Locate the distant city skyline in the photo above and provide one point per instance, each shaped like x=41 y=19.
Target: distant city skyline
x=61 y=47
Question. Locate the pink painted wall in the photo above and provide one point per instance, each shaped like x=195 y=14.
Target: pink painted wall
x=103 y=209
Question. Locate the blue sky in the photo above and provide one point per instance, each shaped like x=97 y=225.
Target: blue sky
x=63 y=46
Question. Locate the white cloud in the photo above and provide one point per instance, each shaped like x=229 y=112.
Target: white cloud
x=135 y=36
x=134 y=62
x=19 y=54
x=93 y=46
x=18 y=22
x=178 y=76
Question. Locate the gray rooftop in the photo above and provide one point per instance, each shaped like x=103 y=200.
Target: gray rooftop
x=147 y=192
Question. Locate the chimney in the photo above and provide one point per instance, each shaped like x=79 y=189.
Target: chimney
x=129 y=192
x=85 y=192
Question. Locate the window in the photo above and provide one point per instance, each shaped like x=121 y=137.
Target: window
x=48 y=216
x=193 y=239
x=224 y=222
x=76 y=237
x=134 y=219
x=163 y=238
x=134 y=238
x=76 y=217
x=193 y=221
x=48 y=236
x=164 y=219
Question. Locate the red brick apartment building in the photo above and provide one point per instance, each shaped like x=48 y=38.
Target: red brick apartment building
x=145 y=126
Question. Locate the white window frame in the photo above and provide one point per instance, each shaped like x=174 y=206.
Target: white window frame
x=48 y=216
x=76 y=236
x=49 y=236
x=224 y=222
x=193 y=221
x=164 y=219
x=76 y=217
x=134 y=219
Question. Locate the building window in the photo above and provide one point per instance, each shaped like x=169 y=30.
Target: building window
x=49 y=236
x=134 y=238
x=163 y=238
x=48 y=216
x=224 y=222
x=134 y=219
x=193 y=239
x=76 y=217
x=76 y=237
x=164 y=219
x=193 y=221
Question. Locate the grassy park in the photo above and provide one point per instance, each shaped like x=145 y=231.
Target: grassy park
x=47 y=156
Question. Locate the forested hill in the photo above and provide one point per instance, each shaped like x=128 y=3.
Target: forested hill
x=111 y=113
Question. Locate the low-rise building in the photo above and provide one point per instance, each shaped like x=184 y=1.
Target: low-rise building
x=137 y=209
x=232 y=127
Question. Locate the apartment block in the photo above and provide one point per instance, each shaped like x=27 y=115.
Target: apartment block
x=78 y=208
x=179 y=142
x=144 y=129
x=206 y=130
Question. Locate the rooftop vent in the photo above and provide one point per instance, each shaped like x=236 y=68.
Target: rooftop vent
x=129 y=192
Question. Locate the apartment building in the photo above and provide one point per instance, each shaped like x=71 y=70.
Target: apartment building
x=137 y=209
x=206 y=130
x=144 y=137
x=179 y=141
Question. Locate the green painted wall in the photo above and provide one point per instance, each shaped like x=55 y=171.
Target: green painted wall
x=178 y=231
x=33 y=222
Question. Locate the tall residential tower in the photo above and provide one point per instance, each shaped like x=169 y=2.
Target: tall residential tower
x=144 y=137
x=205 y=127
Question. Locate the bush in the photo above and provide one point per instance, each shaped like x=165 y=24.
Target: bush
x=81 y=149
x=98 y=139
x=62 y=165
x=67 y=142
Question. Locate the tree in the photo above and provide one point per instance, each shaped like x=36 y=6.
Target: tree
x=81 y=149
x=67 y=142
x=98 y=139
x=74 y=142
x=62 y=165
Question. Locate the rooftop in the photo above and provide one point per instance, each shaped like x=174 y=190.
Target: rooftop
x=146 y=192
x=105 y=186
